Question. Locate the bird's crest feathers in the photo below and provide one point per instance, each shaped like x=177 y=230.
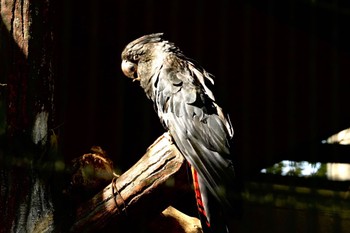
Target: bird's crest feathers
x=151 y=38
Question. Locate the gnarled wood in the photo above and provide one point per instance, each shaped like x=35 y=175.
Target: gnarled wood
x=140 y=194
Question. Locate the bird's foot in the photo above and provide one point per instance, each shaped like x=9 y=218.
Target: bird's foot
x=168 y=136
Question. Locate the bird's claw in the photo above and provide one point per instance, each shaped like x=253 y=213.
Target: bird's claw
x=168 y=136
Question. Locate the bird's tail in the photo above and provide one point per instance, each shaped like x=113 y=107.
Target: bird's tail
x=200 y=205
x=210 y=212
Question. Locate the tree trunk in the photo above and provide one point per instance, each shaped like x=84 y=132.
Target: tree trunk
x=27 y=104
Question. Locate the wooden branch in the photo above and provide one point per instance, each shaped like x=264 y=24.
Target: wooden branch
x=173 y=221
x=141 y=193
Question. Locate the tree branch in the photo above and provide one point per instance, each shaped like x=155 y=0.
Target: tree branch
x=141 y=193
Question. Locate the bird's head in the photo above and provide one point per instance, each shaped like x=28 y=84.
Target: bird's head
x=138 y=51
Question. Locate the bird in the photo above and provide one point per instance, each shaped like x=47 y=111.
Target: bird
x=181 y=91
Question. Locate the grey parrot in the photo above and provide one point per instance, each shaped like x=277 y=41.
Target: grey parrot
x=181 y=92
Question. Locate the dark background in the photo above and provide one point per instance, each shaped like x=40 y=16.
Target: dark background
x=282 y=73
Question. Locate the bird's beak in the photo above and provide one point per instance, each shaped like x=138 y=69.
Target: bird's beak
x=130 y=70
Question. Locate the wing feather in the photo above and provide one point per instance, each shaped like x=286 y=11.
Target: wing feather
x=197 y=124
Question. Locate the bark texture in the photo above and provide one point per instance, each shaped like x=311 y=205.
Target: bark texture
x=27 y=102
x=138 y=195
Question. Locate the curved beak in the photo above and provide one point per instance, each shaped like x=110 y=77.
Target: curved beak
x=130 y=70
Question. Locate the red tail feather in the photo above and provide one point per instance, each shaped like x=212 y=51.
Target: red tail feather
x=203 y=214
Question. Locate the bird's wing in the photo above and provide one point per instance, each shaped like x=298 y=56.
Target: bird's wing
x=201 y=132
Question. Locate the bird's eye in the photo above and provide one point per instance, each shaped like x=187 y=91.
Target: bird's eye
x=135 y=57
